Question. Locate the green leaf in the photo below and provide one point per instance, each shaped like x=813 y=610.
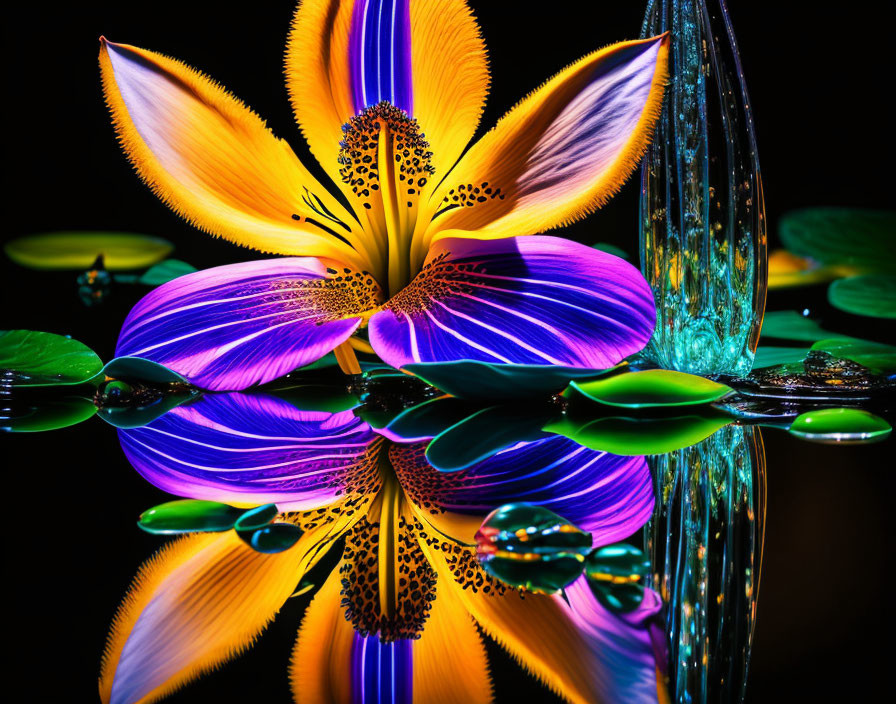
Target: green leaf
x=189 y=516
x=632 y=436
x=874 y=355
x=141 y=369
x=611 y=249
x=769 y=356
x=840 y=425
x=45 y=359
x=653 y=387
x=79 y=250
x=138 y=416
x=865 y=239
x=497 y=382
x=165 y=271
x=790 y=325
x=429 y=419
x=483 y=434
x=46 y=414
x=873 y=295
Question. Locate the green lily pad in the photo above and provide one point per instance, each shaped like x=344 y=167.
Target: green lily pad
x=484 y=433
x=653 y=387
x=79 y=250
x=45 y=359
x=165 y=271
x=611 y=249
x=840 y=425
x=427 y=420
x=139 y=415
x=873 y=295
x=874 y=355
x=496 y=382
x=769 y=356
x=790 y=325
x=862 y=238
x=142 y=370
x=639 y=436
x=46 y=414
x=188 y=516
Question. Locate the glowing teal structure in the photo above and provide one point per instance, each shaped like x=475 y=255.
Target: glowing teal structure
x=702 y=221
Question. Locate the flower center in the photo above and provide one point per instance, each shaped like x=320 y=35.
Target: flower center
x=386 y=162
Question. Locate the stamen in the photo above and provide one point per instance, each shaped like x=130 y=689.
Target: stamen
x=358 y=152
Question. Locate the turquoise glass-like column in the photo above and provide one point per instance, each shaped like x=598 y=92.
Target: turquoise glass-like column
x=702 y=220
x=705 y=546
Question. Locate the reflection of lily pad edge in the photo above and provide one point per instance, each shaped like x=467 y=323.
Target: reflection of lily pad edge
x=47 y=414
x=46 y=359
x=472 y=379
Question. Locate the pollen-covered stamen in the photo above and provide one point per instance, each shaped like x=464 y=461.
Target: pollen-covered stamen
x=439 y=278
x=358 y=154
x=386 y=163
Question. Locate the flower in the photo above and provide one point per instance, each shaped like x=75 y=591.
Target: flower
x=423 y=242
x=408 y=589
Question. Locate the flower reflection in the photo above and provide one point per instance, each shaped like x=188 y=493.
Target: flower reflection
x=399 y=612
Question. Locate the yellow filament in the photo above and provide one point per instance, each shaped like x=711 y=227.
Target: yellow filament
x=388 y=540
x=396 y=217
x=360 y=345
x=345 y=357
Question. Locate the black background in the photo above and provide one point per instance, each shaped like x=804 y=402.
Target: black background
x=820 y=83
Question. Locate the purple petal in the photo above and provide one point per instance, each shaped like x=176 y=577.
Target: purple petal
x=381 y=672
x=607 y=495
x=380 y=54
x=624 y=645
x=234 y=326
x=252 y=449
x=520 y=300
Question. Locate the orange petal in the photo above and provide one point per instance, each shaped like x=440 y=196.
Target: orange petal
x=562 y=152
x=448 y=65
x=318 y=77
x=214 y=161
x=320 y=669
x=199 y=602
x=450 y=644
x=542 y=632
x=451 y=78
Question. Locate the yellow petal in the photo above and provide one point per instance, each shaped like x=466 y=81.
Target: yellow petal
x=451 y=79
x=559 y=154
x=214 y=161
x=320 y=669
x=538 y=630
x=450 y=644
x=318 y=77
x=200 y=601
